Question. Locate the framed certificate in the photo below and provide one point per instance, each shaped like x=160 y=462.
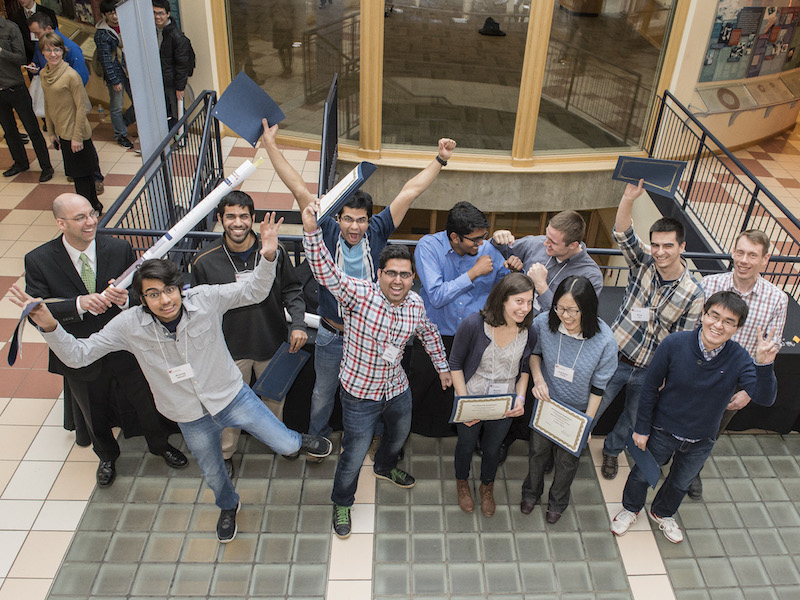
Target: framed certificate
x=562 y=424
x=485 y=408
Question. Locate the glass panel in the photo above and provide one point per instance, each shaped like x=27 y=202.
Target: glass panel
x=292 y=49
x=443 y=79
x=603 y=62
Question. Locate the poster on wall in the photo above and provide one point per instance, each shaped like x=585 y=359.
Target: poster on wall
x=751 y=38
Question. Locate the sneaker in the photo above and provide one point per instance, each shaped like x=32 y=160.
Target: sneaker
x=226 y=525
x=610 y=466
x=623 y=521
x=315 y=446
x=373 y=447
x=668 y=525
x=342 y=521
x=125 y=142
x=398 y=477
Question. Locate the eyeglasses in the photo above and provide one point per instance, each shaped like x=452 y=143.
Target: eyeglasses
x=52 y=50
x=350 y=220
x=476 y=239
x=160 y=13
x=168 y=291
x=717 y=318
x=572 y=312
x=81 y=219
x=406 y=275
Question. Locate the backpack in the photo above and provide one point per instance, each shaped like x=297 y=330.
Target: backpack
x=192 y=56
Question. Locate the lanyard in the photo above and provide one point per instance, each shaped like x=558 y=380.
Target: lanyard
x=558 y=359
x=160 y=347
x=667 y=297
x=235 y=270
x=553 y=278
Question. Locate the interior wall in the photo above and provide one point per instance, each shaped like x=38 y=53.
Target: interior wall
x=197 y=25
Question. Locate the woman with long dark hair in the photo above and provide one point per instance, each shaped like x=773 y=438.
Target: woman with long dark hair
x=490 y=356
x=574 y=358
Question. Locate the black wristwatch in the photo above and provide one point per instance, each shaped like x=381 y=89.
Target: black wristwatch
x=441 y=161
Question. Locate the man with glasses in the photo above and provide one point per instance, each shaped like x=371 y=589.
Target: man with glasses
x=688 y=385
x=661 y=297
x=74 y=268
x=379 y=319
x=355 y=240
x=457 y=271
x=177 y=58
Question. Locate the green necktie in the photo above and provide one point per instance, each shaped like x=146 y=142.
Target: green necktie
x=87 y=275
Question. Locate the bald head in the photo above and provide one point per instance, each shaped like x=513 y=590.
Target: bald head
x=76 y=219
x=69 y=202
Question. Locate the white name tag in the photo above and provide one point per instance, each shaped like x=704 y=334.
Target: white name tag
x=564 y=373
x=177 y=374
x=244 y=276
x=391 y=353
x=495 y=389
x=640 y=314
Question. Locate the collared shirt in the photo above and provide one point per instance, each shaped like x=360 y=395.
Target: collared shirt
x=198 y=342
x=708 y=354
x=448 y=292
x=672 y=306
x=766 y=304
x=375 y=330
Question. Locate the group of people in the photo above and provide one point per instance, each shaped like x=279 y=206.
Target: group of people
x=493 y=316
x=33 y=41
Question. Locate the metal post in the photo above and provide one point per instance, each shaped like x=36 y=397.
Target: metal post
x=750 y=208
x=694 y=170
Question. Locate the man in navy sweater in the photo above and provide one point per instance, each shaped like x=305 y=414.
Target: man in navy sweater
x=688 y=385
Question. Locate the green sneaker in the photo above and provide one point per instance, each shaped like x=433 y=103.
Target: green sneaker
x=398 y=477
x=342 y=521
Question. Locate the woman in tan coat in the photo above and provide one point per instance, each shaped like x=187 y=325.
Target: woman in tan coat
x=66 y=107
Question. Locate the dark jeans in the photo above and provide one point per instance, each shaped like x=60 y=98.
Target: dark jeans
x=432 y=405
x=359 y=418
x=491 y=434
x=687 y=460
x=564 y=468
x=632 y=378
x=18 y=99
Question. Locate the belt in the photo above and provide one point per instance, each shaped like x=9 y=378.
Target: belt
x=622 y=358
x=329 y=327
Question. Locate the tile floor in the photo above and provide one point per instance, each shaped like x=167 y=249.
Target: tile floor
x=151 y=533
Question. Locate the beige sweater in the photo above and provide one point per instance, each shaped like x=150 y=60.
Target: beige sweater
x=65 y=103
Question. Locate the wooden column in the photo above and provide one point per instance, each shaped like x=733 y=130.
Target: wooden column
x=371 y=78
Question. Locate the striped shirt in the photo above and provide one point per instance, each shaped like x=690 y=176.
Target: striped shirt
x=372 y=325
x=766 y=303
x=671 y=305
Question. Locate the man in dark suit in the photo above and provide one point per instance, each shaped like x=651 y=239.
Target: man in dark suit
x=28 y=8
x=71 y=268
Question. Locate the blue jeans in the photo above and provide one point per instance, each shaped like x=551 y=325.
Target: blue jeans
x=360 y=418
x=120 y=121
x=204 y=439
x=327 y=359
x=687 y=460
x=493 y=434
x=631 y=377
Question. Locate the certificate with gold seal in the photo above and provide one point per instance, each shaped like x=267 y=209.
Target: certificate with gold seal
x=562 y=424
x=485 y=408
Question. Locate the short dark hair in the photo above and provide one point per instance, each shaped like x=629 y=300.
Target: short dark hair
x=236 y=198
x=510 y=285
x=42 y=20
x=571 y=225
x=162 y=269
x=667 y=224
x=581 y=290
x=360 y=200
x=730 y=300
x=464 y=218
x=162 y=4
x=398 y=251
x=107 y=6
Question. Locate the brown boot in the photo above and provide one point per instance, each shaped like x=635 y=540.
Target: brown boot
x=487 y=499
x=464 y=495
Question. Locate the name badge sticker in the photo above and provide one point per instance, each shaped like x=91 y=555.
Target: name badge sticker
x=564 y=373
x=640 y=314
x=177 y=374
x=497 y=389
x=391 y=353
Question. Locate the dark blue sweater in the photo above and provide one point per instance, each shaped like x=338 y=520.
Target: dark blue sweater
x=696 y=391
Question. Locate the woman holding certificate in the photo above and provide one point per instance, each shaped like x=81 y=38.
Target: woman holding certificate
x=489 y=358
x=574 y=358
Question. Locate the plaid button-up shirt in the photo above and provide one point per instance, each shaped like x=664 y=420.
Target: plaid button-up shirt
x=766 y=305
x=371 y=324
x=673 y=306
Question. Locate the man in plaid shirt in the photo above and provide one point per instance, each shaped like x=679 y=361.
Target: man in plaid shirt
x=379 y=319
x=766 y=303
x=661 y=297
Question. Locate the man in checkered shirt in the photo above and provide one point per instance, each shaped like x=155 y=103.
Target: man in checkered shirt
x=766 y=303
x=661 y=297
x=379 y=319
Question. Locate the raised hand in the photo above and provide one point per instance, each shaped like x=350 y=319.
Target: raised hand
x=632 y=192
x=269 y=236
x=270 y=133
x=41 y=315
x=503 y=236
x=309 y=216
x=446 y=147
x=767 y=348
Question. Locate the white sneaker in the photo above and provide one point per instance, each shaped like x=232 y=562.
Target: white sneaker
x=623 y=521
x=668 y=525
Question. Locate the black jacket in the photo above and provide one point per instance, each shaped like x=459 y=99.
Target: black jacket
x=22 y=22
x=175 y=57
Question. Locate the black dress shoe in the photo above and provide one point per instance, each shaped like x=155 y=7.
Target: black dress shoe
x=174 y=458
x=696 y=489
x=14 y=170
x=106 y=473
x=552 y=517
x=526 y=506
x=46 y=175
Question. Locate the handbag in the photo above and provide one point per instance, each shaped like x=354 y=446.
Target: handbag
x=37 y=97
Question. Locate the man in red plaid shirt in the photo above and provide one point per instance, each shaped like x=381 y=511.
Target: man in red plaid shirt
x=766 y=304
x=379 y=319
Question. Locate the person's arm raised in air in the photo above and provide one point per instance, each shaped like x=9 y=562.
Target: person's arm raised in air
x=291 y=178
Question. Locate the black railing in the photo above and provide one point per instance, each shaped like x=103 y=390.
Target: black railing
x=722 y=195
x=185 y=167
